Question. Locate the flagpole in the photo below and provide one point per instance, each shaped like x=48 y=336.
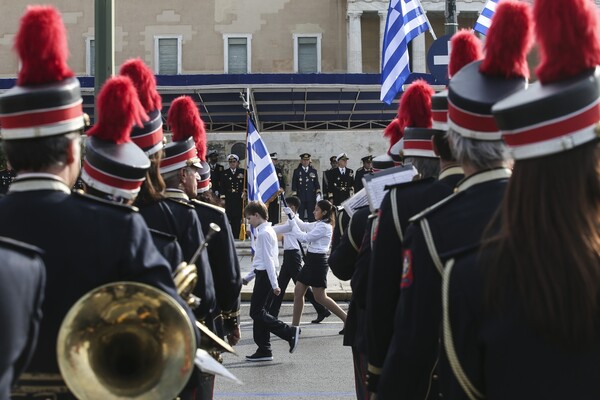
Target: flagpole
x=246 y=105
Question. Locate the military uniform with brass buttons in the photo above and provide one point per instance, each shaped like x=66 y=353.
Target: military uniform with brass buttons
x=232 y=190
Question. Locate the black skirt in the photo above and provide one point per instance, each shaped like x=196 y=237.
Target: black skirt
x=314 y=272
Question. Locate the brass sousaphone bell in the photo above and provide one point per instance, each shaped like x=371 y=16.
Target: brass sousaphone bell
x=126 y=340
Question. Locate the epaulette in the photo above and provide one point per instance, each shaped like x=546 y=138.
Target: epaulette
x=181 y=202
x=208 y=205
x=125 y=207
x=437 y=206
x=162 y=234
x=410 y=183
x=20 y=246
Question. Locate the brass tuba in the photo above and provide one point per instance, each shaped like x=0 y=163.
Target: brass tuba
x=126 y=340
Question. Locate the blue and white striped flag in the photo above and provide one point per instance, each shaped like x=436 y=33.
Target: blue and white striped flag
x=263 y=184
x=405 y=21
x=485 y=18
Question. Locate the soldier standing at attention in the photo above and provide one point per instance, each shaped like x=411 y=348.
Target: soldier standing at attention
x=275 y=204
x=216 y=170
x=366 y=169
x=232 y=190
x=341 y=181
x=333 y=163
x=305 y=185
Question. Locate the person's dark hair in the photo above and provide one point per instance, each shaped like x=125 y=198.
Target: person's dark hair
x=546 y=255
x=38 y=154
x=210 y=198
x=153 y=188
x=443 y=147
x=256 y=207
x=328 y=211
x=293 y=201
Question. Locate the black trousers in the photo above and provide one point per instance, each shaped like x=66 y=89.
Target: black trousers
x=292 y=262
x=307 y=207
x=265 y=323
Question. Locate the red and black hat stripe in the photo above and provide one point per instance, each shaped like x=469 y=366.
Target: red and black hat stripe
x=149 y=137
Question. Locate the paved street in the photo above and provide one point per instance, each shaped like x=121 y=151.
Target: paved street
x=321 y=368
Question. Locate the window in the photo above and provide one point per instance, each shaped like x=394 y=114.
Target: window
x=237 y=53
x=167 y=55
x=307 y=53
x=90 y=57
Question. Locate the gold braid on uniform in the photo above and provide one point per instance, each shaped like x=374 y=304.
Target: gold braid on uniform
x=230 y=320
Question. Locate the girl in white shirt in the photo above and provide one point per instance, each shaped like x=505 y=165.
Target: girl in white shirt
x=314 y=273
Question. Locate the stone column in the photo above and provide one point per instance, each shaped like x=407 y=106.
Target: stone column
x=418 y=54
x=382 y=22
x=354 y=42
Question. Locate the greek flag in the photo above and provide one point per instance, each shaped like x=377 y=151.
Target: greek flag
x=485 y=18
x=405 y=21
x=263 y=184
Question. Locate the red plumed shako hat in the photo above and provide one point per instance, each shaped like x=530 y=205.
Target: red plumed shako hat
x=562 y=110
x=187 y=128
x=474 y=89
x=46 y=100
x=415 y=110
x=113 y=164
x=149 y=136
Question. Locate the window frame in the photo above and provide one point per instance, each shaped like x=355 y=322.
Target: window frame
x=157 y=39
x=88 y=56
x=307 y=35
x=248 y=37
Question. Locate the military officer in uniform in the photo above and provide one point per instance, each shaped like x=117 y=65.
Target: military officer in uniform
x=86 y=242
x=22 y=283
x=333 y=165
x=233 y=191
x=216 y=170
x=460 y=219
x=275 y=204
x=366 y=169
x=341 y=181
x=305 y=185
x=6 y=177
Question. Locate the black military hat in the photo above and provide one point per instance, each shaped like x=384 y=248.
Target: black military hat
x=204 y=181
x=273 y=156
x=113 y=164
x=479 y=85
x=368 y=158
x=305 y=156
x=213 y=152
x=46 y=100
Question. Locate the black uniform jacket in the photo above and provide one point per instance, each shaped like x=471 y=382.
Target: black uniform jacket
x=502 y=355
x=453 y=223
x=216 y=171
x=400 y=203
x=343 y=258
x=358 y=184
x=22 y=281
x=190 y=231
x=305 y=184
x=232 y=188
x=87 y=242
x=340 y=185
x=223 y=258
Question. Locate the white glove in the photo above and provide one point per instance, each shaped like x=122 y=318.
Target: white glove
x=318 y=197
x=288 y=211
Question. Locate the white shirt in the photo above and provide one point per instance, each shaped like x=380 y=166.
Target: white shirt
x=266 y=252
x=342 y=171
x=290 y=241
x=317 y=234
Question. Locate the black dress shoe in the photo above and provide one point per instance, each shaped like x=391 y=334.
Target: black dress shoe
x=260 y=357
x=321 y=317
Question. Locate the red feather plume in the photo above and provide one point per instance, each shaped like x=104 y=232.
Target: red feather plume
x=466 y=48
x=568 y=36
x=145 y=83
x=184 y=120
x=115 y=118
x=394 y=131
x=509 y=39
x=41 y=44
x=415 y=105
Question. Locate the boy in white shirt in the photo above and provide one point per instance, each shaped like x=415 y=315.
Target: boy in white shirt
x=264 y=264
